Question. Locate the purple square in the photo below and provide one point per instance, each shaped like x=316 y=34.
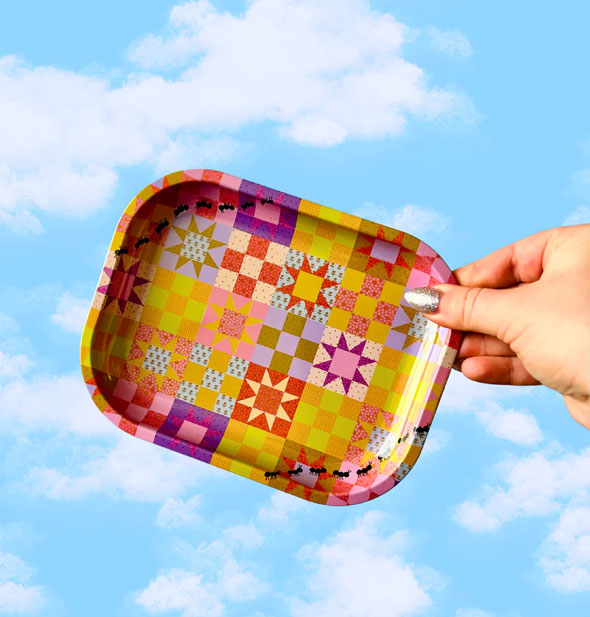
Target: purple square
x=395 y=340
x=287 y=343
x=385 y=251
x=180 y=409
x=275 y=317
x=262 y=356
x=300 y=369
x=222 y=233
x=313 y=330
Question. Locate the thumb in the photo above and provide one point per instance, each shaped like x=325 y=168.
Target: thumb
x=474 y=309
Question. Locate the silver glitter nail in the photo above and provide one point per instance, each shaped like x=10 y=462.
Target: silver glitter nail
x=423 y=299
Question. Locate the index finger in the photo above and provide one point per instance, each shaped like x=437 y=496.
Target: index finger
x=519 y=262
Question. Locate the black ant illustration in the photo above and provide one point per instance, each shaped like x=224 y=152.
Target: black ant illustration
x=271 y=475
x=180 y=209
x=364 y=471
x=267 y=200
x=141 y=241
x=382 y=458
x=248 y=204
x=294 y=472
x=402 y=439
x=161 y=226
x=341 y=474
x=203 y=204
x=421 y=430
x=121 y=251
x=223 y=207
x=316 y=471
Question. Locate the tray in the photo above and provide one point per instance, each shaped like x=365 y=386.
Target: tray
x=267 y=335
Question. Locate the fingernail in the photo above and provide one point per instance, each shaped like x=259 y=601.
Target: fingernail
x=423 y=299
x=457 y=364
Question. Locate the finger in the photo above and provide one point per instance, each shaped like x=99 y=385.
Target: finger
x=475 y=344
x=501 y=370
x=476 y=309
x=519 y=262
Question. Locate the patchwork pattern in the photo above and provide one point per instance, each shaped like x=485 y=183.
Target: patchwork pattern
x=267 y=335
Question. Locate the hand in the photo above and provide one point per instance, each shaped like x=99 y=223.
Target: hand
x=526 y=310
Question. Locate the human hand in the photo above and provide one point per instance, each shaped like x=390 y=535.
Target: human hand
x=526 y=310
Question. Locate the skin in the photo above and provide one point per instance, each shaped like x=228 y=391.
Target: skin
x=525 y=310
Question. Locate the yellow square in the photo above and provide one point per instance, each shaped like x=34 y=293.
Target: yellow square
x=324 y=420
x=254 y=437
x=339 y=318
x=312 y=394
x=336 y=447
x=206 y=398
x=399 y=383
x=265 y=460
x=219 y=360
x=329 y=214
x=157 y=297
x=340 y=254
x=151 y=316
x=365 y=306
x=176 y=303
x=221 y=461
x=231 y=386
x=301 y=241
x=383 y=377
x=305 y=413
x=248 y=454
x=169 y=322
x=343 y=427
x=242 y=469
x=377 y=332
x=200 y=291
x=307 y=286
x=163 y=278
x=273 y=444
x=309 y=207
x=306 y=224
x=188 y=329
x=228 y=447
x=390 y=358
x=321 y=247
x=352 y=279
x=299 y=432
x=182 y=285
x=331 y=401
x=318 y=440
x=407 y=362
x=392 y=403
x=194 y=310
x=376 y=396
x=392 y=293
x=235 y=430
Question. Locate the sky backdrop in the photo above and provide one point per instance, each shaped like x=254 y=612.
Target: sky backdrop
x=464 y=123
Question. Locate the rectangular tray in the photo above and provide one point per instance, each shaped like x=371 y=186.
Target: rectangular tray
x=267 y=335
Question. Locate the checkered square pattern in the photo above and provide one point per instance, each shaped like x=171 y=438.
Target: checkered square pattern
x=267 y=335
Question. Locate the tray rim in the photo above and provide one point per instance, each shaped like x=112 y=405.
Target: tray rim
x=305 y=207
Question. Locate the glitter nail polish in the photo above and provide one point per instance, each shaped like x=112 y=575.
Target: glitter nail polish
x=423 y=299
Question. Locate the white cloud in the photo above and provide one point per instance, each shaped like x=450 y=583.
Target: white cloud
x=437 y=440
x=452 y=42
x=176 y=513
x=579 y=216
x=246 y=536
x=13 y=366
x=71 y=313
x=133 y=470
x=543 y=484
x=486 y=403
x=366 y=550
x=565 y=554
x=182 y=591
x=516 y=426
x=306 y=67
x=52 y=403
x=415 y=220
x=281 y=509
x=534 y=485
x=216 y=579
x=16 y=597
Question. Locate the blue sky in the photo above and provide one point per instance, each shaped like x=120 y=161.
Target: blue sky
x=463 y=123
